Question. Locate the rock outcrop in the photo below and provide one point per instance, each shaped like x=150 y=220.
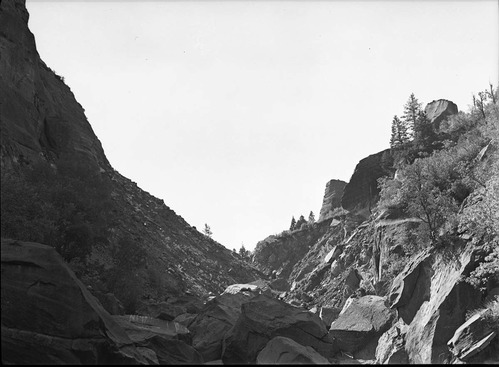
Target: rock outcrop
x=40 y=116
x=476 y=334
x=281 y=350
x=433 y=300
x=280 y=253
x=361 y=321
x=332 y=198
x=214 y=321
x=170 y=341
x=48 y=315
x=439 y=110
x=362 y=192
x=262 y=319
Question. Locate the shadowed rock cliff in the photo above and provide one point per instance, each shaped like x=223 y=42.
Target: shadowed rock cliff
x=42 y=123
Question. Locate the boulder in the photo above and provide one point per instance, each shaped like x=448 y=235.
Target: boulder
x=439 y=110
x=214 y=321
x=49 y=316
x=336 y=268
x=264 y=318
x=352 y=281
x=281 y=350
x=162 y=311
x=390 y=349
x=185 y=319
x=332 y=198
x=329 y=314
x=169 y=340
x=411 y=287
x=110 y=303
x=473 y=336
x=361 y=320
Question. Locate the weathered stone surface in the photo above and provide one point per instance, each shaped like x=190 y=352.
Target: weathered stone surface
x=328 y=315
x=282 y=252
x=362 y=192
x=215 y=320
x=242 y=288
x=281 y=350
x=447 y=300
x=280 y=285
x=332 y=198
x=361 y=320
x=110 y=303
x=48 y=315
x=473 y=336
x=391 y=347
x=264 y=318
x=411 y=287
x=439 y=110
x=333 y=254
x=169 y=340
x=163 y=310
x=185 y=319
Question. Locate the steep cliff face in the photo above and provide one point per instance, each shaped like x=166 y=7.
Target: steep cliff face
x=41 y=121
x=361 y=192
x=281 y=253
x=40 y=116
x=332 y=198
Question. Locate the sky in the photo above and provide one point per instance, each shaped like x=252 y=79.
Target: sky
x=237 y=113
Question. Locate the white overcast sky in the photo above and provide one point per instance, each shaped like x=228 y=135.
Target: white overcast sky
x=237 y=113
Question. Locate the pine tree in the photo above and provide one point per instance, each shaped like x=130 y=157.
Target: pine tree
x=412 y=108
x=300 y=222
x=400 y=135
x=293 y=224
x=311 y=218
x=207 y=230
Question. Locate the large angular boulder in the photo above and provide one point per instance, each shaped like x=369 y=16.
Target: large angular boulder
x=411 y=287
x=264 y=318
x=169 y=340
x=433 y=300
x=439 y=110
x=48 y=315
x=332 y=198
x=281 y=350
x=214 y=321
x=474 y=335
x=362 y=320
x=391 y=347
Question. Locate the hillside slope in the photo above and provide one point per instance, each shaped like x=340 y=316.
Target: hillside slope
x=145 y=248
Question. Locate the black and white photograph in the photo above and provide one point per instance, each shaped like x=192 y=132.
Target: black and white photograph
x=249 y=182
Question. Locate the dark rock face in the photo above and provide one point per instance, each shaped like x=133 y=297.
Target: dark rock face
x=42 y=122
x=439 y=110
x=332 y=198
x=215 y=320
x=361 y=320
x=48 y=316
x=169 y=340
x=281 y=350
x=39 y=116
x=264 y=318
x=361 y=193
